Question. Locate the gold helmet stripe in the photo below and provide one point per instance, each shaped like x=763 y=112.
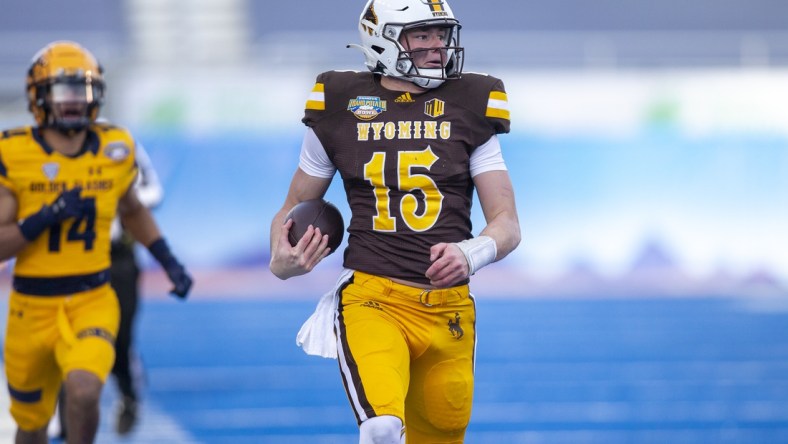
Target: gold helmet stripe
x=436 y=5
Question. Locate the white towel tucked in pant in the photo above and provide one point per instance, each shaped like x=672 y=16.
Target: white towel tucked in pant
x=316 y=336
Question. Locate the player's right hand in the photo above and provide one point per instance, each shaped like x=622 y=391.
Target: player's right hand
x=67 y=205
x=287 y=261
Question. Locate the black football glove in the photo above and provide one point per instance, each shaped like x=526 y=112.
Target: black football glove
x=180 y=279
x=67 y=205
x=175 y=270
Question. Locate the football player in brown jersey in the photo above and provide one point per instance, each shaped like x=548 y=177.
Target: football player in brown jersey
x=411 y=139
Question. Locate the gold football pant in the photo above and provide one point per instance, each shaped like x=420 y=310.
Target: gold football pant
x=408 y=352
x=46 y=338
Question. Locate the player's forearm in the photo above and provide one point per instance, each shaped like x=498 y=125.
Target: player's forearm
x=141 y=225
x=11 y=241
x=276 y=226
x=504 y=229
x=277 y=264
x=496 y=197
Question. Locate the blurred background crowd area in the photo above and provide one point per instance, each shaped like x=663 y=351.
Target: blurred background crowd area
x=649 y=144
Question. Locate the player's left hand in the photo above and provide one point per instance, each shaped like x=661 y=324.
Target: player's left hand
x=180 y=279
x=449 y=265
x=176 y=272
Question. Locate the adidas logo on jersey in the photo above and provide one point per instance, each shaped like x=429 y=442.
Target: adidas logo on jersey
x=404 y=98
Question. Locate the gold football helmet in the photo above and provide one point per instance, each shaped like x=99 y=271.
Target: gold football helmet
x=65 y=87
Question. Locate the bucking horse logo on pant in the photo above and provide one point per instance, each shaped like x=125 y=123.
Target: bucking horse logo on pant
x=454 y=327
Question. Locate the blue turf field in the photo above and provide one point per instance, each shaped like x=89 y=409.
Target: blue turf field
x=548 y=371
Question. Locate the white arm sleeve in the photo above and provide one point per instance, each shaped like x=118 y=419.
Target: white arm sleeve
x=314 y=160
x=149 y=189
x=487 y=157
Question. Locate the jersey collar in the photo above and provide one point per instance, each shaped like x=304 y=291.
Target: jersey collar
x=91 y=143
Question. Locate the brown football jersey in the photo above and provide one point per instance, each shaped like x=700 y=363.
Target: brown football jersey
x=404 y=160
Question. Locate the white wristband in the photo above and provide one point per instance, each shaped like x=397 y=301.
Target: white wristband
x=478 y=251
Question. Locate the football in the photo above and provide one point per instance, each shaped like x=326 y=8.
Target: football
x=320 y=214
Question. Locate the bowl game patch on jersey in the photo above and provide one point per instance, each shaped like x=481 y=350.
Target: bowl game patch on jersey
x=366 y=107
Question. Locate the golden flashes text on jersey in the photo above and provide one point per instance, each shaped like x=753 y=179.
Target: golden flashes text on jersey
x=60 y=186
x=409 y=129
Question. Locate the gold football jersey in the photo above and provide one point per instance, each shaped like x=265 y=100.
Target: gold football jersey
x=37 y=174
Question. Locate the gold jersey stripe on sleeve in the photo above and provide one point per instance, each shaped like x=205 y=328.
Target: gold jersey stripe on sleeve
x=317 y=98
x=498 y=105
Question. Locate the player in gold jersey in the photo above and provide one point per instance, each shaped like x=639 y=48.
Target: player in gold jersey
x=411 y=141
x=61 y=184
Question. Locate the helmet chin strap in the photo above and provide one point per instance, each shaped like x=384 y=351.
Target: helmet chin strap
x=70 y=132
x=424 y=82
x=67 y=130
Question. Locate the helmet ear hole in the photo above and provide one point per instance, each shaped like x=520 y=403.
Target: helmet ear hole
x=380 y=68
